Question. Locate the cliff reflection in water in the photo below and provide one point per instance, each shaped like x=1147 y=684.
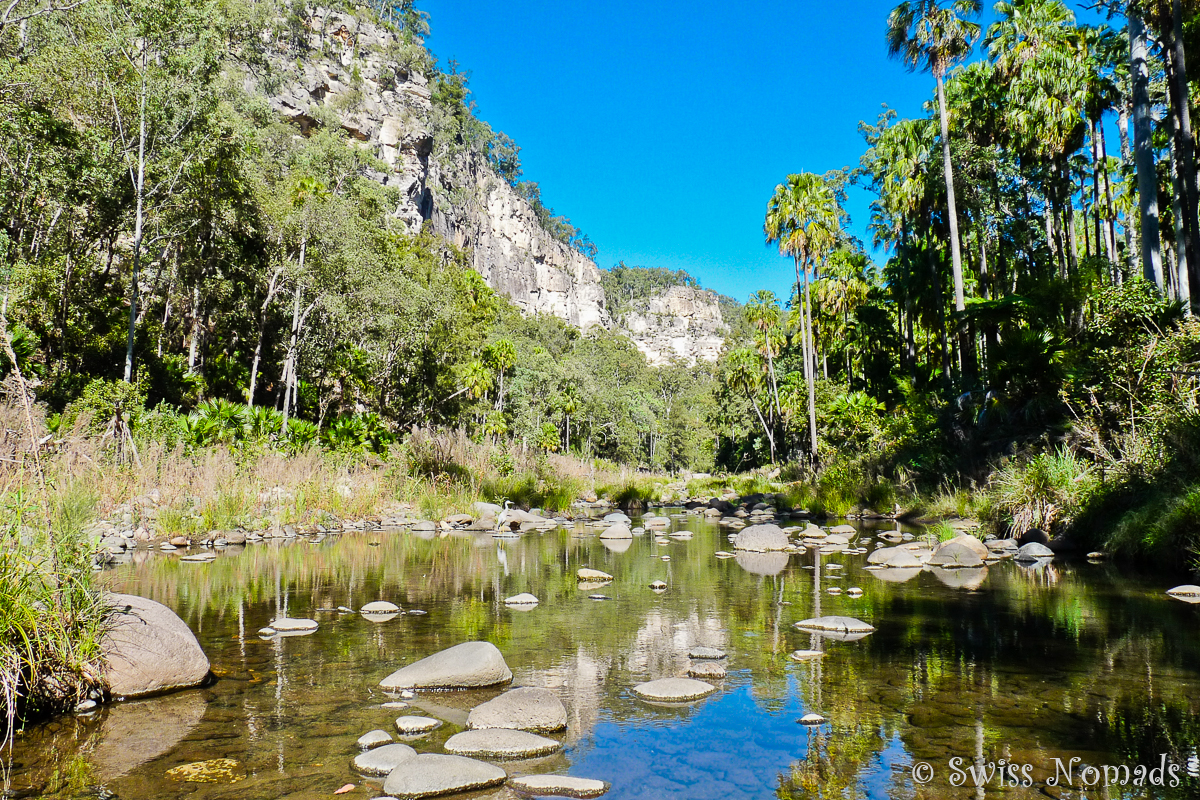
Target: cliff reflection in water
x=1023 y=665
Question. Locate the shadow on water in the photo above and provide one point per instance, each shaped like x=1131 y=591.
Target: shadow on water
x=1007 y=664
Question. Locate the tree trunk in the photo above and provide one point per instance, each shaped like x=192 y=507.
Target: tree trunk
x=272 y=287
x=1110 y=235
x=812 y=378
x=1187 y=157
x=194 y=338
x=1143 y=128
x=1131 y=235
x=138 y=227
x=1180 y=279
x=960 y=303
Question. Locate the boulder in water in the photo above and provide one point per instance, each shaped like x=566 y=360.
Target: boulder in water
x=762 y=539
x=1033 y=551
x=382 y=760
x=469 y=665
x=618 y=531
x=558 y=786
x=673 y=690
x=525 y=708
x=148 y=649
x=500 y=743
x=434 y=774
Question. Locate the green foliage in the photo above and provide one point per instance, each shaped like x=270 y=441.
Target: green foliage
x=100 y=403
x=1045 y=492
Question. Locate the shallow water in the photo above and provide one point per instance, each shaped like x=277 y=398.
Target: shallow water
x=1070 y=660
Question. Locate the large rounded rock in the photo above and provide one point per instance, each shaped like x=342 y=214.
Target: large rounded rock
x=148 y=649
x=657 y=522
x=762 y=539
x=382 y=760
x=465 y=666
x=617 y=531
x=897 y=557
x=970 y=542
x=1033 y=551
x=527 y=709
x=955 y=554
x=500 y=743
x=673 y=690
x=558 y=786
x=434 y=774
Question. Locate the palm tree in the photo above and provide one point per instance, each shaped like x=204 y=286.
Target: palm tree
x=502 y=357
x=804 y=217
x=744 y=375
x=935 y=36
x=763 y=313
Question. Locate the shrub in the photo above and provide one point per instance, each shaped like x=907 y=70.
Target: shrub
x=1047 y=491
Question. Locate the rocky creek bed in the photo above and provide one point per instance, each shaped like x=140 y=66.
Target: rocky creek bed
x=833 y=655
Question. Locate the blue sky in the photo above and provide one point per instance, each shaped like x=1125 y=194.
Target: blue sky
x=661 y=128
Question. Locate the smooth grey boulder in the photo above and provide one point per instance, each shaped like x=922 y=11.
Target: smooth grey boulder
x=469 y=665
x=382 y=760
x=373 y=739
x=657 y=522
x=434 y=774
x=955 y=554
x=975 y=545
x=617 y=516
x=673 y=690
x=1033 y=551
x=898 y=557
x=617 y=531
x=500 y=743
x=526 y=709
x=762 y=539
x=558 y=786
x=148 y=649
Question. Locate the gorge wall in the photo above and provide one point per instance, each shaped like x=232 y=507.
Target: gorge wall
x=353 y=74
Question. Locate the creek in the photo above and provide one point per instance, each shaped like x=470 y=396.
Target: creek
x=1033 y=667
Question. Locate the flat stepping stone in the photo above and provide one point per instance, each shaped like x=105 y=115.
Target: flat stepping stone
x=558 y=786
x=199 y=558
x=526 y=709
x=806 y=655
x=434 y=774
x=376 y=738
x=380 y=607
x=836 y=625
x=382 y=760
x=414 y=726
x=289 y=625
x=591 y=575
x=706 y=653
x=709 y=670
x=469 y=665
x=500 y=743
x=1188 y=593
x=674 y=690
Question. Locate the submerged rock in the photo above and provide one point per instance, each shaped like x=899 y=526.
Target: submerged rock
x=148 y=649
x=709 y=670
x=466 y=666
x=706 y=653
x=434 y=774
x=500 y=743
x=525 y=708
x=674 y=690
x=836 y=625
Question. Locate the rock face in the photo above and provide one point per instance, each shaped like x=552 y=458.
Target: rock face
x=434 y=774
x=149 y=650
x=469 y=665
x=358 y=76
x=525 y=709
x=762 y=539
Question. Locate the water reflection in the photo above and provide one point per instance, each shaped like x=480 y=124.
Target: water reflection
x=1021 y=663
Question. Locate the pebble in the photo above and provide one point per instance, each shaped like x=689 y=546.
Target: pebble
x=376 y=738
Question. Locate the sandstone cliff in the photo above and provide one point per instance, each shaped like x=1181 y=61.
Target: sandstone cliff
x=680 y=323
x=356 y=74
